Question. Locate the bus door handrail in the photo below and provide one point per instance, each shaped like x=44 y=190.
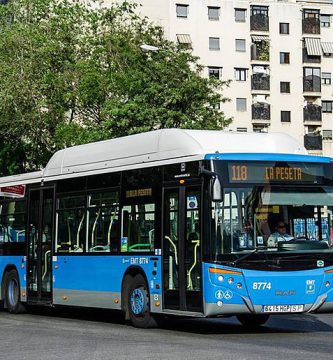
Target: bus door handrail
x=174 y=248
x=189 y=280
x=47 y=253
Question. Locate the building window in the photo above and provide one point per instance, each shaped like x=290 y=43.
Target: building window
x=326 y=106
x=311 y=21
x=240 y=74
x=327 y=134
x=241 y=104
x=284 y=28
x=285 y=87
x=258 y=128
x=311 y=79
x=326 y=78
x=285 y=116
x=213 y=13
x=259 y=20
x=181 y=10
x=240 y=45
x=240 y=15
x=214 y=43
x=284 y=58
x=325 y=20
x=241 y=129
x=215 y=71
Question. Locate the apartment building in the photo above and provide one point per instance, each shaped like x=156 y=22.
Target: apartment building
x=278 y=56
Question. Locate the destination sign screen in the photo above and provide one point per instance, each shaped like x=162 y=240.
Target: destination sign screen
x=275 y=173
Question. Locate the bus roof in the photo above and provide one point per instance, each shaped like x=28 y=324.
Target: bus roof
x=164 y=146
x=156 y=148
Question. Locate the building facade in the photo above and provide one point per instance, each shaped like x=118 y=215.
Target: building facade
x=278 y=56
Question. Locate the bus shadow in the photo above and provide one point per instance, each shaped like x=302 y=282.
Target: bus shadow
x=276 y=324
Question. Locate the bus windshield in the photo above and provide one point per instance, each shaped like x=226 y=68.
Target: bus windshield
x=272 y=218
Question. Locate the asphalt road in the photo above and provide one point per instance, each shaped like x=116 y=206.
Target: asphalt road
x=86 y=334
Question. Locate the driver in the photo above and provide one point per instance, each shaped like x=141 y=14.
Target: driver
x=280 y=234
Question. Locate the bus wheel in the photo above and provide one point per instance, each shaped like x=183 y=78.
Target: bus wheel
x=252 y=321
x=138 y=303
x=13 y=293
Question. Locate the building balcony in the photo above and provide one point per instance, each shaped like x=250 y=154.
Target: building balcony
x=260 y=82
x=312 y=84
x=260 y=51
x=259 y=22
x=261 y=111
x=312 y=113
x=311 y=26
x=310 y=59
x=313 y=142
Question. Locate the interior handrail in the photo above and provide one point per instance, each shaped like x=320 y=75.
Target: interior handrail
x=45 y=263
x=174 y=248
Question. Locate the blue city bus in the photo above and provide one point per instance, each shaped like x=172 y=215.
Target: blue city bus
x=172 y=222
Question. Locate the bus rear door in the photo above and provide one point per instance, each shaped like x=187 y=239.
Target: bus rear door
x=40 y=234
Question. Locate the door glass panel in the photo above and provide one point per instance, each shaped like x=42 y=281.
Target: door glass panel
x=192 y=241
x=171 y=243
x=46 y=241
x=33 y=240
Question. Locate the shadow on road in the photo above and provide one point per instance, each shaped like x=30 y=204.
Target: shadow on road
x=276 y=324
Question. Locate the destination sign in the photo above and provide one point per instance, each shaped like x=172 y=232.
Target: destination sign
x=275 y=172
x=139 y=193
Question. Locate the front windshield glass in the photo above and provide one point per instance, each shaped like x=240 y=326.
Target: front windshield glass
x=272 y=218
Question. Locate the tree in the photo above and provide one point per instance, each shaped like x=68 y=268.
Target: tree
x=71 y=74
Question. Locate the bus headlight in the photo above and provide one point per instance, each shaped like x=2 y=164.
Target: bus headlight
x=220 y=278
x=230 y=280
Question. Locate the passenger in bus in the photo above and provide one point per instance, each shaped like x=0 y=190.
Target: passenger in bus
x=280 y=234
x=247 y=235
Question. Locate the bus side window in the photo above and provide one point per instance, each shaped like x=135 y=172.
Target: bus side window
x=102 y=215
x=138 y=228
x=71 y=229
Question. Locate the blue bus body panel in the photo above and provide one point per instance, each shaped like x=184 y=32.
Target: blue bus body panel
x=269 y=157
x=19 y=263
x=101 y=273
x=254 y=288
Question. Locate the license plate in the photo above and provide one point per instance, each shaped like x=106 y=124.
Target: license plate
x=283 y=308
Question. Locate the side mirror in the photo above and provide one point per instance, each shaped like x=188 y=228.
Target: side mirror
x=217 y=189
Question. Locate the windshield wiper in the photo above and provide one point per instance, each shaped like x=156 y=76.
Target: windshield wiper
x=239 y=260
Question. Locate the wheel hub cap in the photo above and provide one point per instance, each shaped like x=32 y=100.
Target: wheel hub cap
x=137 y=301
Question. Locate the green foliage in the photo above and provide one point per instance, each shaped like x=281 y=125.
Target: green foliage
x=72 y=74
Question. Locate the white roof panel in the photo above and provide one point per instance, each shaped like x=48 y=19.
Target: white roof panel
x=27 y=178
x=154 y=148
x=159 y=146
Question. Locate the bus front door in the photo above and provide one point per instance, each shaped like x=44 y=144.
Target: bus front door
x=40 y=233
x=182 y=288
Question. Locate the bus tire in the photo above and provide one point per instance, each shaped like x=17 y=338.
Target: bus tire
x=13 y=293
x=138 y=303
x=252 y=321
